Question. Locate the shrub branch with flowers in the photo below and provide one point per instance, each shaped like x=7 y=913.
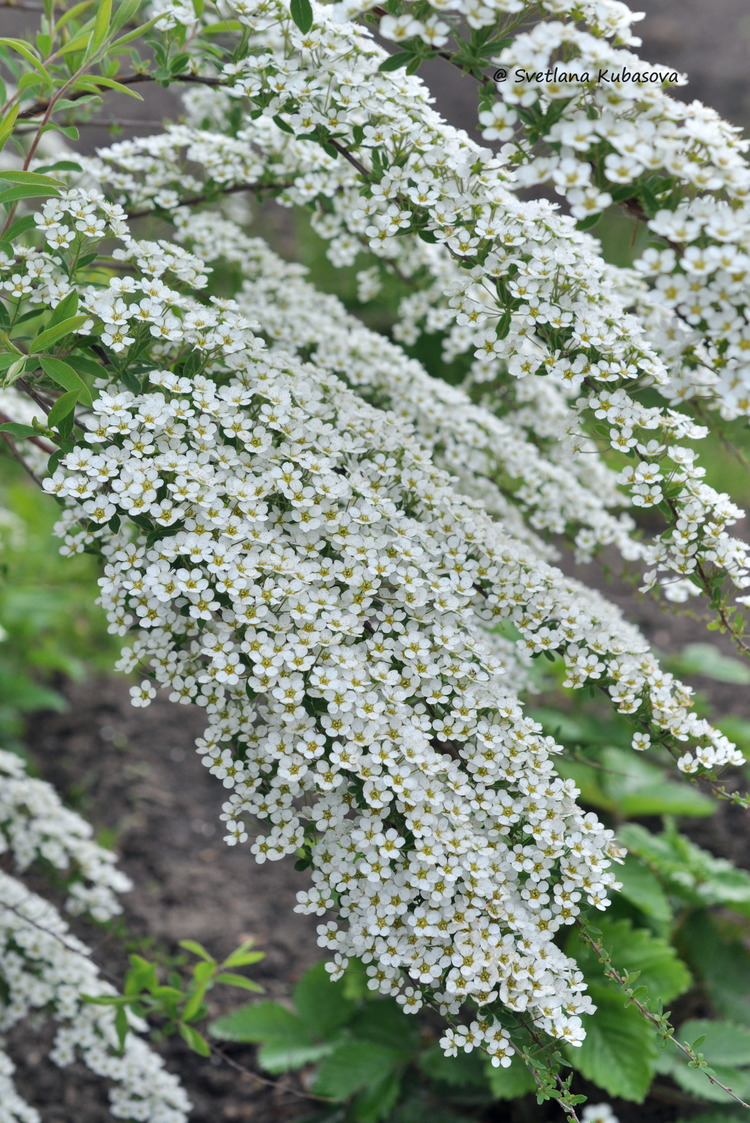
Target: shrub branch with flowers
x=347 y=563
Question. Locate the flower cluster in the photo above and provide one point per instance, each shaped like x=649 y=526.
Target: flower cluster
x=45 y=968
x=528 y=296
x=36 y=826
x=294 y=562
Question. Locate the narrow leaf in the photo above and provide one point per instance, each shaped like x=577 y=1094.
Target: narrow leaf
x=66 y=377
x=51 y=335
x=62 y=407
x=301 y=12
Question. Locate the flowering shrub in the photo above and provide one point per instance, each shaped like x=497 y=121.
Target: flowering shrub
x=346 y=563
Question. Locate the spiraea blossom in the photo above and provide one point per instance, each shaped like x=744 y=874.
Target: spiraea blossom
x=292 y=559
x=514 y=284
x=44 y=969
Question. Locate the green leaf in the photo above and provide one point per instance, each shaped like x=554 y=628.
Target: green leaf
x=396 y=61
x=64 y=406
x=34 y=179
x=725 y=1048
x=704 y=659
x=197 y=949
x=16 y=429
x=321 y=1002
x=302 y=14
x=27 y=51
x=377 y=1100
x=231 y=980
x=121 y=1025
x=689 y=871
x=258 y=1022
x=383 y=1022
x=667 y=798
x=45 y=340
x=724 y=1042
x=26 y=191
x=634 y=949
x=509 y=1083
x=285 y=1056
x=19 y=227
x=619 y=1051
x=7 y=123
x=243 y=955
x=65 y=376
x=101 y=24
x=722 y=964
x=195 y=1040
x=354 y=1065
x=466 y=1070
x=643 y=889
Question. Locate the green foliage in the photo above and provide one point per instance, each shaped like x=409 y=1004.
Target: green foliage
x=704 y=659
x=179 y=1003
x=725 y=1049
x=369 y=1054
x=688 y=872
x=50 y=624
x=619 y=1053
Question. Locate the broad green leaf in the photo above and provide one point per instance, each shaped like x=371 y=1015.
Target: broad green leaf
x=65 y=376
x=321 y=1002
x=667 y=798
x=696 y=1082
x=283 y=1056
x=721 y=962
x=508 y=1083
x=634 y=949
x=51 y=335
x=377 y=1100
x=258 y=1022
x=466 y=1070
x=643 y=889
x=726 y=1115
x=689 y=871
x=619 y=1051
x=354 y=1065
x=704 y=659
x=726 y=1049
x=383 y=1022
x=724 y=1042
x=302 y=14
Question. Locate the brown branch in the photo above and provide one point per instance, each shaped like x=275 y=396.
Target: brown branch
x=126 y=80
x=193 y=200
